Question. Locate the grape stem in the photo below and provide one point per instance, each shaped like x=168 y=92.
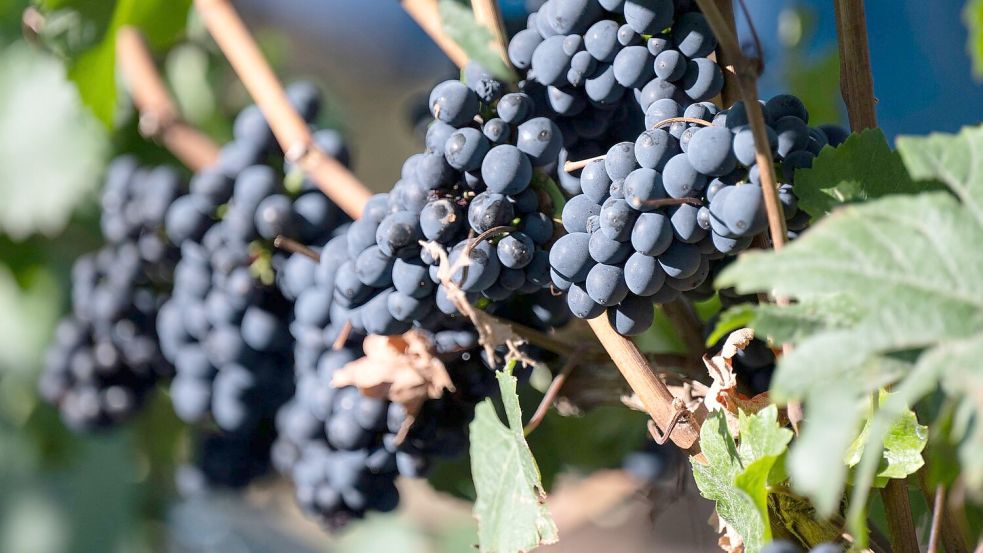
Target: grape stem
x=159 y=118
x=731 y=91
x=292 y=133
x=572 y=166
x=747 y=74
x=287 y=244
x=856 y=80
x=427 y=16
x=487 y=13
x=554 y=389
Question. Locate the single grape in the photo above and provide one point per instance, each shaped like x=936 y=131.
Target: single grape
x=620 y=160
x=516 y=250
x=570 y=256
x=634 y=315
x=605 y=284
x=681 y=179
x=521 y=48
x=604 y=250
x=617 y=219
x=453 y=103
x=515 y=107
x=576 y=212
x=540 y=139
x=643 y=186
x=633 y=66
x=506 y=170
x=643 y=274
x=652 y=234
x=648 y=17
x=465 y=149
x=693 y=36
x=601 y=40
x=489 y=210
x=581 y=304
x=711 y=151
x=680 y=260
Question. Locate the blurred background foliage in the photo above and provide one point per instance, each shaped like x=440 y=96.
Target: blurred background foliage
x=63 y=115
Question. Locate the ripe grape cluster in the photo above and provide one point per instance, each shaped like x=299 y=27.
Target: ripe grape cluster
x=225 y=326
x=471 y=194
x=655 y=216
x=105 y=358
x=596 y=67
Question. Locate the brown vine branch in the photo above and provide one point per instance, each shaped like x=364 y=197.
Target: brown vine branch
x=658 y=400
x=746 y=71
x=938 y=507
x=293 y=134
x=949 y=533
x=487 y=13
x=159 y=118
x=856 y=78
x=899 y=520
x=552 y=392
x=426 y=15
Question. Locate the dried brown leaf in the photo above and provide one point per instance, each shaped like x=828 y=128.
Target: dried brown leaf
x=403 y=369
x=722 y=394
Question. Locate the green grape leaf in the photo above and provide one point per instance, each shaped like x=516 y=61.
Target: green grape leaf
x=862 y=168
x=736 y=476
x=906 y=273
x=93 y=69
x=973 y=17
x=509 y=507
x=903 y=445
x=53 y=149
x=475 y=39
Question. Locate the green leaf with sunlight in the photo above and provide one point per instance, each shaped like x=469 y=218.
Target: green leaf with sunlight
x=51 y=149
x=736 y=475
x=510 y=506
x=94 y=69
x=475 y=39
x=907 y=274
x=903 y=445
x=862 y=168
x=973 y=17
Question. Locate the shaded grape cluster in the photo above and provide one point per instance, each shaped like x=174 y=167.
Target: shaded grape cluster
x=343 y=450
x=104 y=359
x=655 y=217
x=226 y=326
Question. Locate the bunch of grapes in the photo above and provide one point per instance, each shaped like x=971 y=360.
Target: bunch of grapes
x=472 y=194
x=595 y=68
x=343 y=450
x=105 y=359
x=655 y=216
x=223 y=460
x=225 y=327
